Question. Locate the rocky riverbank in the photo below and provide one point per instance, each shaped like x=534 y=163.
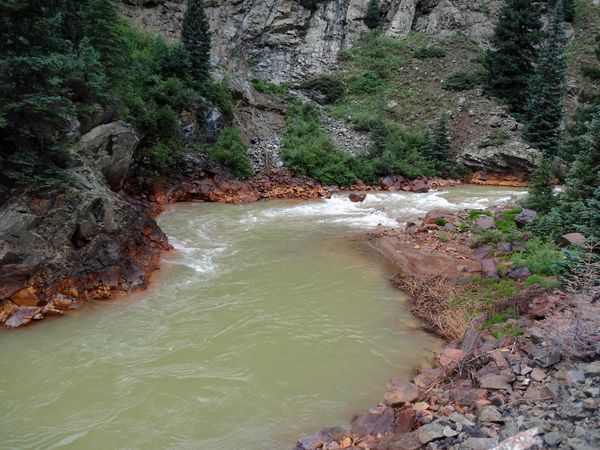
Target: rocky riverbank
x=524 y=373
x=98 y=239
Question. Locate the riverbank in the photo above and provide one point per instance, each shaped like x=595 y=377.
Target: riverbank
x=108 y=256
x=520 y=369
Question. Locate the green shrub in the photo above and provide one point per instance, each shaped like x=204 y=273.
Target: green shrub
x=230 y=151
x=367 y=83
x=441 y=222
x=309 y=151
x=269 y=88
x=429 y=52
x=463 y=80
x=330 y=86
x=539 y=256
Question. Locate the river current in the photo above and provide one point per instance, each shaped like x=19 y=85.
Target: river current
x=266 y=322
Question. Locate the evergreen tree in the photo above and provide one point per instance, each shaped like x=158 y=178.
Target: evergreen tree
x=544 y=113
x=540 y=196
x=509 y=64
x=372 y=17
x=569 y=10
x=440 y=136
x=195 y=36
x=582 y=178
x=103 y=29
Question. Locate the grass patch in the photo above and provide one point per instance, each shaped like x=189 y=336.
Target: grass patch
x=474 y=214
x=539 y=280
x=539 y=256
x=441 y=222
x=267 y=87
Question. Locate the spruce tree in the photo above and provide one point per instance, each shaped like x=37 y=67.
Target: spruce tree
x=569 y=10
x=544 y=114
x=195 y=36
x=103 y=29
x=540 y=196
x=582 y=178
x=510 y=62
x=441 y=138
x=372 y=17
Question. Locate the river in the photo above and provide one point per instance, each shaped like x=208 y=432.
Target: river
x=266 y=322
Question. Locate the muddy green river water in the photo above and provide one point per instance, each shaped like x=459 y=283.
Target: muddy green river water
x=266 y=322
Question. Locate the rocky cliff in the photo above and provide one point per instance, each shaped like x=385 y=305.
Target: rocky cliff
x=86 y=242
x=280 y=40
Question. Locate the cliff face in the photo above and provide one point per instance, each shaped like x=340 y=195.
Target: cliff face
x=280 y=40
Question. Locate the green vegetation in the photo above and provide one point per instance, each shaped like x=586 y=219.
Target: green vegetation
x=308 y=150
x=441 y=222
x=71 y=60
x=267 y=87
x=195 y=35
x=510 y=62
x=544 y=112
x=463 y=80
x=331 y=87
x=506 y=222
x=372 y=17
x=539 y=280
x=474 y=214
x=539 y=256
x=230 y=151
x=429 y=52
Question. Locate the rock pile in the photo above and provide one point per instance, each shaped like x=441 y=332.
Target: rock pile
x=485 y=393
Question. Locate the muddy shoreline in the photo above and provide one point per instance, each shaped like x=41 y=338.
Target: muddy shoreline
x=537 y=389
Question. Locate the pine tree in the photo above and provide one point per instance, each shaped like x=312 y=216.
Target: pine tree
x=440 y=138
x=372 y=17
x=582 y=178
x=540 y=196
x=195 y=36
x=509 y=64
x=544 y=114
x=102 y=25
x=569 y=10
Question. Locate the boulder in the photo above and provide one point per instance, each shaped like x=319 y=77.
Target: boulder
x=576 y=239
x=375 y=421
x=451 y=357
x=400 y=391
x=392 y=182
x=489 y=270
x=356 y=197
x=484 y=223
x=419 y=186
x=481 y=253
x=490 y=414
x=519 y=274
x=525 y=217
x=496 y=382
x=503 y=248
x=510 y=157
x=432 y=431
x=110 y=147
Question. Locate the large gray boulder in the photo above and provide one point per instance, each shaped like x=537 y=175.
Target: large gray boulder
x=510 y=157
x=110 y=147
